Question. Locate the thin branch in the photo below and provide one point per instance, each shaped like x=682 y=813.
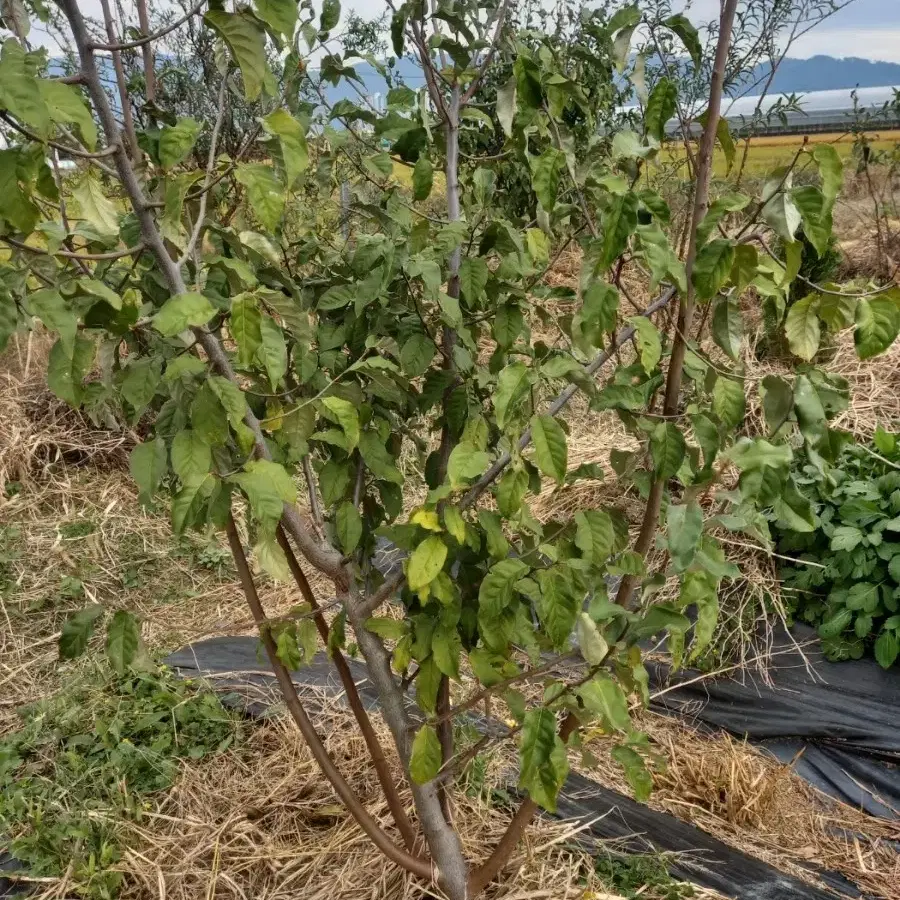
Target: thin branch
x=650 y=521
x=147 y=51
x=207 y=181
x=89 y=257
x=415 y=864
x=114 y=46
x=498 y=26
x=359 y=711
x=72 y=151
x=119 y=69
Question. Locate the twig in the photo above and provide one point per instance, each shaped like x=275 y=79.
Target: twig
x=148 y=38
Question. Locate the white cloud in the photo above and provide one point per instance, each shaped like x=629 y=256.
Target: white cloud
x=881 y=44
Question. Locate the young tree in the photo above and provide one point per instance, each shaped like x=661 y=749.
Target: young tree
x=202 y=293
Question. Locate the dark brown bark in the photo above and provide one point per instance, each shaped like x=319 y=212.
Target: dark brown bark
x=376 y=752
x=415 y=864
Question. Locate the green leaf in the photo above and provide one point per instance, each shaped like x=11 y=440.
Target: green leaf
x=543 y=762
x=743 y=271
x=348 y=525
x=603 y=697
x=264 y=191
x=66 y=104
x=801 y=327
x=446 y=646
x=331 y=14
x=513 y=386
x=749 y=454
x=592 y=644
x=191 y=455
x=550 y=449
x=123 y=639
x=247 y=42
x=377 y=459
x=597 y=316
x=425 y=759
x=699 y=588
x=271 y=557
x=416 y=354
x=506 y=105
x=268 y=487
x=619 y=223
x=636 y=772
x=595 y=535
x=667 y=450
x=497 y=587
x=887 y=648
x=428 y=683
x=177 y=141
x=66 y=370
x=707 y=434
x=685 y=526
x=780 y=212
x=877 y=325
x=95 y=207
x=473 y=278
x=731 y=202
x=728 y=327
x=281 y=15
x=19 y=90
x=231 y=397
x=557 y=607
x=187 y=504
x=15 y=206
x=245 y=327
x=148 y=466
x=77 y=631
x=511 y=490
x=183 y=311
x=831 y=170
x=729 y=402
x=389 y=629
x=846 y=537
x=345 y=414
x=56 y=314
x=291 y=138
x=497 y=545
x=726 y=142
x=546 y=170
x=712 y=268
x=423 y=178
x=777 y=401
x=682 y=26
x=466 y=462
x=661 y=106
x=648 y=342
x=139 y=383
x=426 y=561
x=272 y=351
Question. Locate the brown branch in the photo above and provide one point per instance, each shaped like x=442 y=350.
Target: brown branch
x=485 y=63
x=650 y=521
x=485 y=874
x=89 y=257
x=362 y=717
x=445 y=737
x=147 y=51
x=417 y=865
x=72 y=151
x=115 y=46
x=127 y=116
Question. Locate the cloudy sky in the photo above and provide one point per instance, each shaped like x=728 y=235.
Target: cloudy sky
x=866 y=28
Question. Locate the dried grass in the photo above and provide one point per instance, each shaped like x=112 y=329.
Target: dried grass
x=748 y=799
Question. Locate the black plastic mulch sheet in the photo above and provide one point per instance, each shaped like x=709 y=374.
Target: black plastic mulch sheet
x=234 y=664
x=837 y=723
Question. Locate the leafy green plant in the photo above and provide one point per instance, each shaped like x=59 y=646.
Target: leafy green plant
x=200 y=294
x=84 y=761
x=847 y=580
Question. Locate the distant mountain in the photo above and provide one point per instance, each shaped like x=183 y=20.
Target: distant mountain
x=826 y=73
x=794 y=76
